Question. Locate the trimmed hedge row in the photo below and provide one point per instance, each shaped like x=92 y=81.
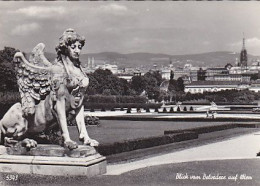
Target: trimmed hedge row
x=119 y=147
x=111 y=102
x=218 y=103
x=201 y=130
x=214 y=128
x=114 y=99
x=149 y=118
x=110 y=106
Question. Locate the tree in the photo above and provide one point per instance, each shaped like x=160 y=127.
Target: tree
x=105 y=82
x=138 y=84
x=180 y=84
x=7 y=70
x=7 y=54
x=151 y=86
x=157 y=75
x=107 y=92
x=172 y=89
x=93 y=85
x=172 y=85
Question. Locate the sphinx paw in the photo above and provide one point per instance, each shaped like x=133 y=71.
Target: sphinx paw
x=29 y=143
x=9 y=142
x=70 y=145
x=91 y=142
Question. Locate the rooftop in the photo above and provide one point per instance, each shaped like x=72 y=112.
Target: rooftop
x=210 y=83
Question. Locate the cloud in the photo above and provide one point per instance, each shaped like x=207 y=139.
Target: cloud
x=25 y=29
x=205 y=42
x=114 y=7
x=41 y=12
x=251 y=42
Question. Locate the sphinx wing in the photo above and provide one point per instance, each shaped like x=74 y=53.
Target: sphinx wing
x=37 y=56
x=33 y=78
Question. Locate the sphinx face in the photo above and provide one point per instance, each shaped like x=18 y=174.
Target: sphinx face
x=74 y=50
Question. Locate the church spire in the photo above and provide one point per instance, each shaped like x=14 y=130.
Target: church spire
x=244 y=46
x=243 y=54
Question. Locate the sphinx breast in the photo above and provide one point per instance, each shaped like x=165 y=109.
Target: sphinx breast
x=84 y=82
x=81 y=82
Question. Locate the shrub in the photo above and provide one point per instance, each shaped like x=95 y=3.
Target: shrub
x=92 y=110
x=156 y=109
x=171 y=110
x=164 y=110
x=128 y=110
x=103 y=109
x=92 y=120
x=147 y=109
x=178 y=109
x=191 y=108
x=100 y=99
x=185 y=109
x=7 y=99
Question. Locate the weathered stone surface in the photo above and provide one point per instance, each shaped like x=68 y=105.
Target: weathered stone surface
x=2 y=149
x=52 y=150
x=84 y=161
x=57 y=166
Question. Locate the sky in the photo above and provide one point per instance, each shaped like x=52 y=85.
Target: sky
x=128 y=27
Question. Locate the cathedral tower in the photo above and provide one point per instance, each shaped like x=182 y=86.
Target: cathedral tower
x=243 y=55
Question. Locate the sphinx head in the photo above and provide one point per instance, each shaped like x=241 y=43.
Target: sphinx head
x=70 y=44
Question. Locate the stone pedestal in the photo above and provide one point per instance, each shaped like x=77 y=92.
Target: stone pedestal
x=52 y=160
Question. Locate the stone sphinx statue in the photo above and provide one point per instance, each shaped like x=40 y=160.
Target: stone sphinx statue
x=51 y=95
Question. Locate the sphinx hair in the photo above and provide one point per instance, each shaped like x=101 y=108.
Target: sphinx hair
x=68 y=37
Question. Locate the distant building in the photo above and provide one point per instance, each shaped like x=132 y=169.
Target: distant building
x=188 y=72
x=91 y=63
x=129 y=70
x=232 y=77
x=112 y=68
x=166 y=73
x=214 y=86
x=127 y=77
x=201 y=75
x=212 y=72
x=255 y=86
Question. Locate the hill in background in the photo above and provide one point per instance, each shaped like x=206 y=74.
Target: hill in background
x=210 y=59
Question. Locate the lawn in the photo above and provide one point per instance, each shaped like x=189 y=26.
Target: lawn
x=111 y=131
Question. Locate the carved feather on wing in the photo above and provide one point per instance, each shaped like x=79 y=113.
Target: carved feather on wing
x=33 y=78
x=37 y=56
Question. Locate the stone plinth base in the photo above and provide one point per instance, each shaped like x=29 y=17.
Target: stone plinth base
x=84 y=161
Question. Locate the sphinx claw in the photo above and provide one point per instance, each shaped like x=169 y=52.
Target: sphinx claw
x=71 y=145
x=29 y=143
x=91 y=142
x=10 y=142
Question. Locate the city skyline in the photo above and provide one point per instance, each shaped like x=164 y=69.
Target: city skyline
x=174 y=28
